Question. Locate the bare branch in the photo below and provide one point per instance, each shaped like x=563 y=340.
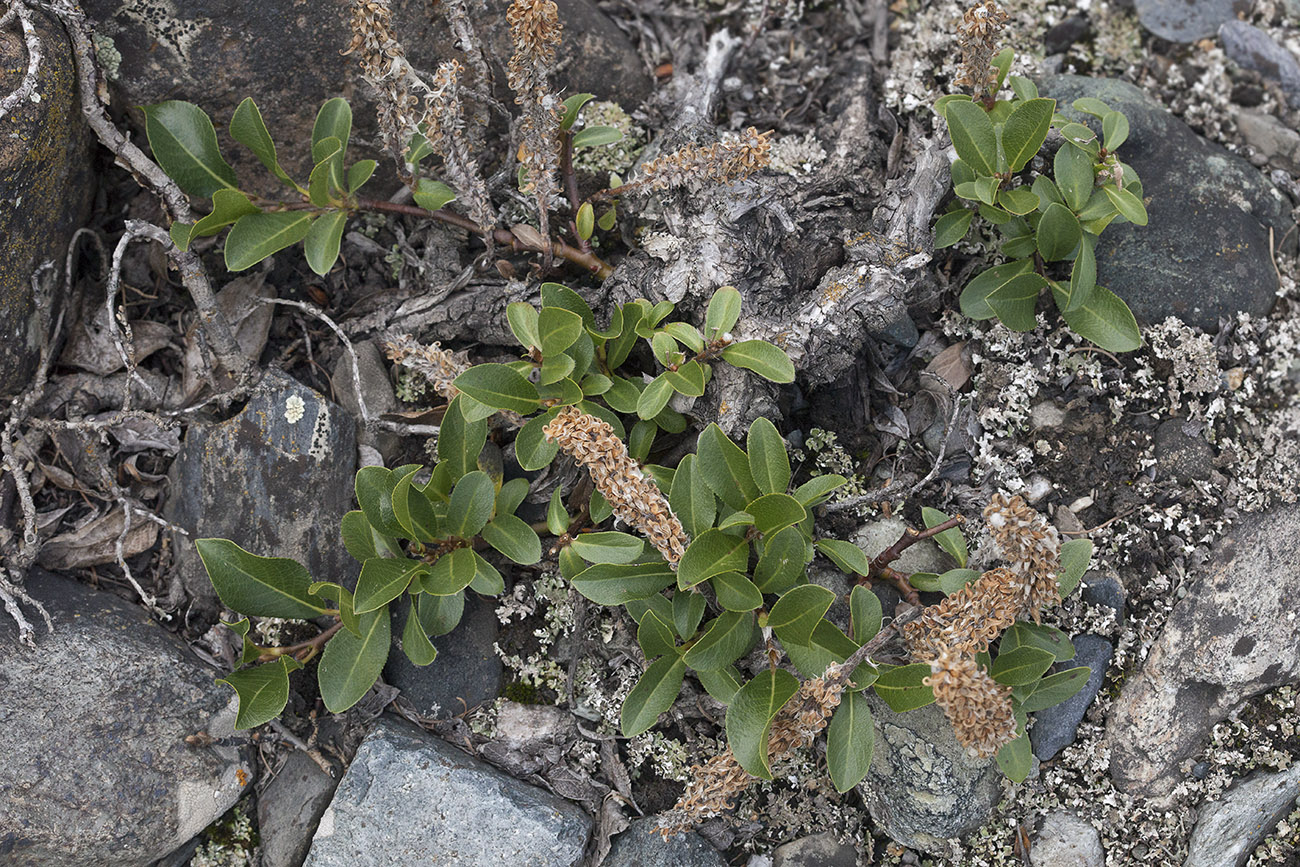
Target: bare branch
x=34 y=56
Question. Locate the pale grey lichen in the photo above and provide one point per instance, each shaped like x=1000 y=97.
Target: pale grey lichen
x=618 y=156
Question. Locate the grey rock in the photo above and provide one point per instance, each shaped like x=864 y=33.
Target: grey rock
x=1187 y=20
x=93 y=724
x=409 y=798
x=1046 y=414
x=1252 y=48
x=1181 y=452
x=289 y=809
x=817 y=850
x=1055 y=727
x=923 y=789
x=641 y=846
x=275 y=487
x=1103 y=590
x=1233 y=636
x=1065 y=840
x=1277 y=142
x=375 y=387
x=1061 y=36
x=467 y=672
x=1231 y=827
x=287 y=56
x=924 y=556
x=46 y=184
x=1205 y=252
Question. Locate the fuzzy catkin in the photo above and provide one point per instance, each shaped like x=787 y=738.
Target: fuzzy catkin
x=969 y=620
x=535 y=30
x=1033 y=548
x=635 y=499
x=975 y=35
x=978 y=707
x=438 y=366
x=720 y=162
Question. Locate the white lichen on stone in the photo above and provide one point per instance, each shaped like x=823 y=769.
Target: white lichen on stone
x=320 y=434
x=294 y=409
x=617 y=156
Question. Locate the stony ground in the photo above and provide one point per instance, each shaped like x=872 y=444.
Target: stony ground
x=1181 y=462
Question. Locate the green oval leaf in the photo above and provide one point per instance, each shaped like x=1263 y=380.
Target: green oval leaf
x=653 y=694
x=184 y=143
x=768 y=361
x=727 y=638
x=248 y=128
x=1074 y=176
x=321 y=243
x=865 y=612
x=1114 y=129
x=723 y=312
x=227 y=207
x=712 y=553
x=783 y=561
x=975 y=297
x=451 y=574
x=952 y=227
x=725 y=468
x=750 y=715
x=514 y=538
x=1107 y=321
x=775 y=512
x=615 y=584
x=415 y=642
x=500 y=387
x=850 y=740
x=263 y=691
x=797 y=613
x=690 y=498
x=849 y=557
x=1076 y=554
x=433 y=195
x=973 y=136
x=1014 y=302
x=735 y=592
x=1129 y=206
x=1021 y=666
x=351 y=664
x=256 y=236
x=1025 y=131
x=382 y=580
x=472 y=502
x=1056 y=688
x=258 y=586
x=440 y=614
x=608 y=547
x=902 y=688
x=593 y=136
x=1059 y=233
x=769 y=465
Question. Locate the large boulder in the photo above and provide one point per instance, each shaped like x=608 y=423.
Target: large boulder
x=1233 y=636
x=1238 y=820
x=93 y=728
x=1187 y=20
x=411 y=798
x=276 y=479
x=1205 y=252
x=287 y=55
x=46 y=183
x=923 y=789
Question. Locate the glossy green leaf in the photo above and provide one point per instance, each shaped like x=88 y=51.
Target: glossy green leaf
x=415 y=643
x=850 y=740
x=1025 y=131
x=585 y=221
x=1129 y=206
x=723 y=312
x=1021 y=666
x=1091 y=105
x=382 y=580
x=451 y=574
x=459 y=441
x=1059 y=233
x=712 y=553
x=359 y=173
x=263 y=691
x=796 y=614
x=865 y=612
x=974 y=298
x=572 y=106
x=558 y=295
x=1016 y=759
x=750 y=715
x=947 y=583
x=973 y=136
x=1023 y=87
x=350 y=664
x=1048 y=638
x=557 y=329
x=227 y=207
x=849 y=557
x=615 y=584
x=783 y=562
x=363 y=541
x=735 y=592
x=827 y=644
x=1114 y=129
x=334 y=120
x=1046 y=191
x=691 y=499
x=1107 y=321
x=941 y=105
x=768 y=361
x=653 y=694
x=258 y=586
x=1082 y=139
x=531 y=448
x=433 y=195
x=950 y=540
x=608 y=547
x=184 y=143
x=687 y=379
x=514 y=538
x=769 y=464
x=654 y=398
x=523 y=320
x=902 y=687
x=500 y=387
x=1083 y=276
x=321 y=243
x=440 y=614
x=248 y=128
x=1014 y=302
x=725 y=468
x=1019 y=201
x=1076 y=554
x=472 y=502
x=594 y=136
x=487 y=580
x=721 y=685
x=687 y=335
x=687 y=609
x=1056 y=688
x=775 y=512
x=256 y=236
x=817 y=489
x=727 y=638
x=1074 y=176
x=655 y=635
x=952 y=227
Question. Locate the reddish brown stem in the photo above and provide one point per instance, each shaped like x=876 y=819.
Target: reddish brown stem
x=592 y=263
x=303 y=651
x=571 y=185
x=880 y=570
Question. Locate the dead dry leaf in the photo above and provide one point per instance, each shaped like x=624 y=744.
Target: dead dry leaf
x=95 y=543
x=91 y=346
x=241 y=302
x=953 y=366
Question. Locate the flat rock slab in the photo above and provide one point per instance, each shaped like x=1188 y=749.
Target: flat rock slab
x=276 y=480
x=1187 y=20
x=817 y=850
x=1252 y=48
x=1232 y=826
x=290 y=807
x=923 y=789
x=467 y=672
x=46 y=184
x=1065 y=840
x=1236 y=634
x=409 y=798
x=642 y=846
x=1205 y=251
x=93 y=723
